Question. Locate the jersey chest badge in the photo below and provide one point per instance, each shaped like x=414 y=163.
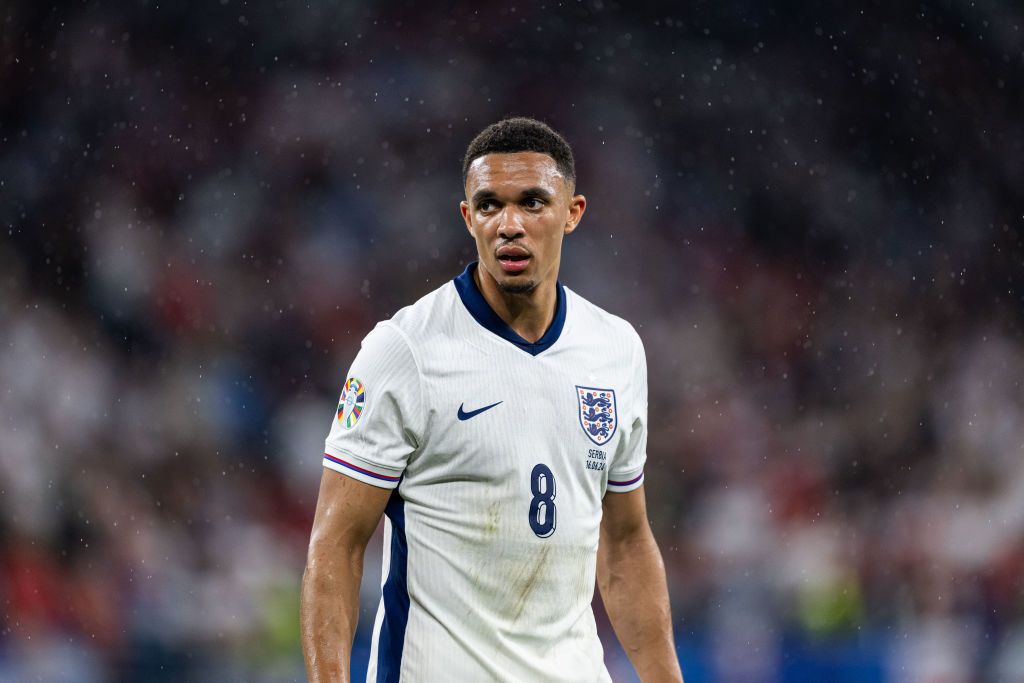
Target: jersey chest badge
x=598 y=413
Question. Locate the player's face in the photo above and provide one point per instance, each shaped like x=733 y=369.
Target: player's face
x=518 y=207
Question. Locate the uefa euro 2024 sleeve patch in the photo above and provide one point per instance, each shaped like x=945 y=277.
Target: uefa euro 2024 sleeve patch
x=597 y=413
x=353 y=398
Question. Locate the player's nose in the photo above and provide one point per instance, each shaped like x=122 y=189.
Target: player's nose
x=511 y=224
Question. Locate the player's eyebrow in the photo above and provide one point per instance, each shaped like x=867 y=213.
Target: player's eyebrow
x=538 y=192
x=481 y=195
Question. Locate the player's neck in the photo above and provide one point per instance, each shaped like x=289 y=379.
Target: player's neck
x=529 y=314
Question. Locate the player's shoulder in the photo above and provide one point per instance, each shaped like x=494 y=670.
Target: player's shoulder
x=590 y=316
x=423 y=318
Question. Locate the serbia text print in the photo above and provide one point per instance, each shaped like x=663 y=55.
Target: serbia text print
x=597 y=413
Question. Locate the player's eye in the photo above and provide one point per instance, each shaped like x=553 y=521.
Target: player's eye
x=486 y=206
x=533 y=203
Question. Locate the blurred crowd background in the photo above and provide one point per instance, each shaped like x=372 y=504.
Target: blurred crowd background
x=811 y=212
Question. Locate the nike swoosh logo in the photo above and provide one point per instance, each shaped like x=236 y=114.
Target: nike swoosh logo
x=463 y=415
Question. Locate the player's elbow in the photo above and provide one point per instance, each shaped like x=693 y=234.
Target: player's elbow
x=331 y=558
x=315 y=555
x=620 y=554
x=312 y=577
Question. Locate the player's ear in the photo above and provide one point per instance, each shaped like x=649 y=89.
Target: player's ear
x=577 y=206
x=464 y=208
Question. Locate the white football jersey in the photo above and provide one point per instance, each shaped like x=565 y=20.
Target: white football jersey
x=500 y=452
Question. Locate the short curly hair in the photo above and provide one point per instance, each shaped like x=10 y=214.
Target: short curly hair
x=521 y=134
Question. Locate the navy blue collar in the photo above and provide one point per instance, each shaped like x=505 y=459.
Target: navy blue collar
x=482 y=312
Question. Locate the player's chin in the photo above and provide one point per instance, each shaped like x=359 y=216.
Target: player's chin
x=517 y=285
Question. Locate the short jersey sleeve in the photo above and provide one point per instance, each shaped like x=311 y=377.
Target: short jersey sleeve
x=377 y=423
x=627 y=470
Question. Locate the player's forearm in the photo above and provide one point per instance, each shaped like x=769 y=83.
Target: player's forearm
x=329 y=614
x=631 y=577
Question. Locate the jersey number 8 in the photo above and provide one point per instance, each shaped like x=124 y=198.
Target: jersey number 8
x=542 y=506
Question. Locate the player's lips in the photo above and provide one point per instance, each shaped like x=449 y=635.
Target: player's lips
x=513 y=259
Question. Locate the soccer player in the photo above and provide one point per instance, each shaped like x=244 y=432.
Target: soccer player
x=500 y=424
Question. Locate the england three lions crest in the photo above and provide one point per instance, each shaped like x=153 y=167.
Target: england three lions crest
x=598 y=413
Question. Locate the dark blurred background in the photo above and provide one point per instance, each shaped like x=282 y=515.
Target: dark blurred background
x=811 y=212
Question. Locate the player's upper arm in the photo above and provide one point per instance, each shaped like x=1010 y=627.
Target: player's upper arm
x=347 y=513
x=623 y=516
x=380 y=417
